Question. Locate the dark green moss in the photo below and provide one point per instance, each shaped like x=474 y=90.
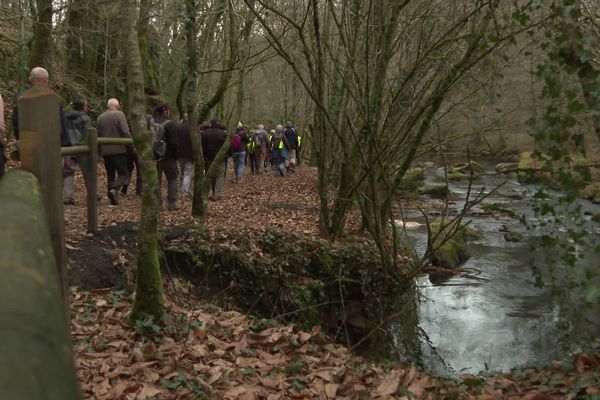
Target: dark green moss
x=310 y=281
x=437 y=191
x=454 y=251
x=513 y=236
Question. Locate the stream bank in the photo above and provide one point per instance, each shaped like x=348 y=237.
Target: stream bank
x=307 y=281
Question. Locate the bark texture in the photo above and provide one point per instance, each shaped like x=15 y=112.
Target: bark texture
x=149 y=298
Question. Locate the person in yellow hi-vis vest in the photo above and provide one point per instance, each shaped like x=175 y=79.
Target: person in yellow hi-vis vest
x=298 y=153
x=279 y=148
x=251 y=153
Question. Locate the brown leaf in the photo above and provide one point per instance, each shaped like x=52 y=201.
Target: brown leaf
x=331 y=390
x=418 y=386
x=390 y=384
x=304 y=336
x=149 y=390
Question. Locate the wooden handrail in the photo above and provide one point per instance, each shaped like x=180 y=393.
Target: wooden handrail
x=110 y=140
x=74 y=150
x=36 y=357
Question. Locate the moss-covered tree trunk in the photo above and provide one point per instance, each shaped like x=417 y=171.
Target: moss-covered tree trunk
x=149 y=298
x=149 y=57
x=41 y=43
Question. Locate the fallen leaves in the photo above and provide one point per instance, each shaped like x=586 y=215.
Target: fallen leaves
x=226 y=359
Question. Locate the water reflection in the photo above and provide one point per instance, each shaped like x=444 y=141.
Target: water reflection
x=496 y=319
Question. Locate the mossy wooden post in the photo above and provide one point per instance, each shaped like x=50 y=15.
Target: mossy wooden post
x=40 y=128
x=92 y=186
x=36 y=356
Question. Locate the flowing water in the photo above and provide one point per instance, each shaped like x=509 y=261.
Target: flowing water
x=494 y=318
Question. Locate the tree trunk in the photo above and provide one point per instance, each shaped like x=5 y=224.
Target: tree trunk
x=149 y=299
x=201 y=180
x=41 y=43
x=149 y=58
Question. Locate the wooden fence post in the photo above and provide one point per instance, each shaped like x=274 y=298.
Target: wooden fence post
x=36 y=353
x=92 y=188
x=39 y=146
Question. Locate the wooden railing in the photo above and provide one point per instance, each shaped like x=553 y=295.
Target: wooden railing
x=36 y=357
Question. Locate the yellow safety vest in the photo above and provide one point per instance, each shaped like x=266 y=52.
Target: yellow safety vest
x=299 y=140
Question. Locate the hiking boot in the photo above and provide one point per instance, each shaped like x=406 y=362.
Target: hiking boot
x=174 y=206
x=68 y=202
x=113 y=195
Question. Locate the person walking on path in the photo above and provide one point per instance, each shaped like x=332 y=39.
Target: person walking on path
x=261 y=144
x=238 y=151
x=251 y=153
x=112 y=123
x=168 y=164
x=78 y=123
x=213 y=138
x=291 y=137
x=279 y=146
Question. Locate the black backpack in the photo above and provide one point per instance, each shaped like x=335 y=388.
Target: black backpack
x=159 y=140
x=75 y=125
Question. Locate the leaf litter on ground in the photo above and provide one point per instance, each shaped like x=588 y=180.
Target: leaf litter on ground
x=203 y=351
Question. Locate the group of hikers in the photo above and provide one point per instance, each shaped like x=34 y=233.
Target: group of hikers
x=172 y=147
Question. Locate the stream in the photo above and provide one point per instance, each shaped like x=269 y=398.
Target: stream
x=495 y=318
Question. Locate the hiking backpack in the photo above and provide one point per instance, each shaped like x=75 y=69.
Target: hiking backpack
x=75 y=127
x=258 y=141
x=236 y=143
x=159 y=142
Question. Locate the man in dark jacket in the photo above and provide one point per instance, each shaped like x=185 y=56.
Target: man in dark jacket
x=77 y=125
x=291 y=137
x=112 y=123
x=213 y=139
x=168 y=164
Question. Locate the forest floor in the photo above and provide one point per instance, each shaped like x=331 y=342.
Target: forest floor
x=206 y=351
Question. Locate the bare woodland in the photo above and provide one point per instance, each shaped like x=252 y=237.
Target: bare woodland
x=372 y=85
